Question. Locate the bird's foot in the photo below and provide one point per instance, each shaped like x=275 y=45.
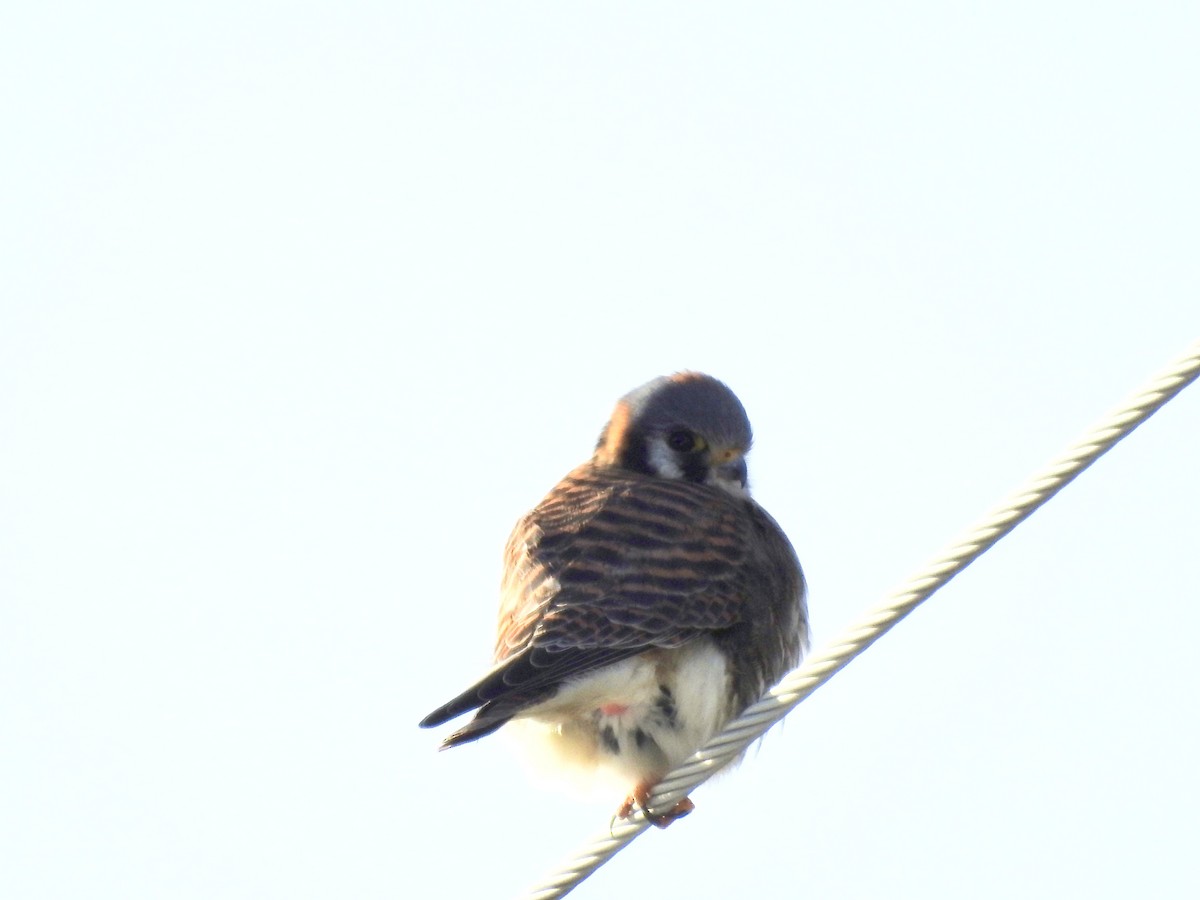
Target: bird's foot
x=638 y=800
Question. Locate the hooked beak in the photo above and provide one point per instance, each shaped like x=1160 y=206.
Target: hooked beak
x=728 y=471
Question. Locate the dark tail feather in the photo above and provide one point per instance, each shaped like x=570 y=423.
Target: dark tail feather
x=484 y=723
x=481 y=692
x=492 y=714
x=464 y=702
x=496 y=699
x=516 y=684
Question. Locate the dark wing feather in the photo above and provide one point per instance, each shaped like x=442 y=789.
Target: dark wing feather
x=610 y=564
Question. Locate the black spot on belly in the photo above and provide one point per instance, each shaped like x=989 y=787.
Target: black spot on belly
x=641 y=738
x=665 y=704
x=609 y=738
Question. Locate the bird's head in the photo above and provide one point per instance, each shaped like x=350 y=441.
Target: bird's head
x=687 y=426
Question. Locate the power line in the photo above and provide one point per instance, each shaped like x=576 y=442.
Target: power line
x=819 y=667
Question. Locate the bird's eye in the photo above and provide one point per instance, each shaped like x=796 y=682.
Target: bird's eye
x=682 y=441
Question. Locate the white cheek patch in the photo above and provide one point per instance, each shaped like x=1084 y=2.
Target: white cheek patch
x=663 y=462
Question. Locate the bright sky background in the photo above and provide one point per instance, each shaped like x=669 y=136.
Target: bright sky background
x=304 y=304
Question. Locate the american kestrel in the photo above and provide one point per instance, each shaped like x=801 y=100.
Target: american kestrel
x=647 y=599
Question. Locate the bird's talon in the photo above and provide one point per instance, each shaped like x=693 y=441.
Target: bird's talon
x=678 y=811
x=639 y=799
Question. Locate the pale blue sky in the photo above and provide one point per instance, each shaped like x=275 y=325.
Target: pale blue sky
x=303 y=304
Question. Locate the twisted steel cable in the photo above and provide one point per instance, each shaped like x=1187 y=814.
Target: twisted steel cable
x=819 y=667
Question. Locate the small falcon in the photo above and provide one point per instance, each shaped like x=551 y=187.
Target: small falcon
x=646 y=600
